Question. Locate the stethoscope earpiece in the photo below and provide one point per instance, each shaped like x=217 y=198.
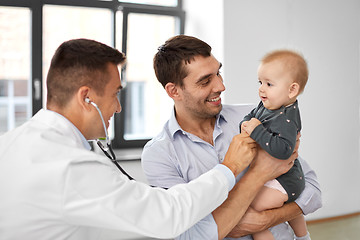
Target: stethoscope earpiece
x=87 y=100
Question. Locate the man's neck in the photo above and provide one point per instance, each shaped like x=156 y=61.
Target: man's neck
x=200 y=127
x=72 y=115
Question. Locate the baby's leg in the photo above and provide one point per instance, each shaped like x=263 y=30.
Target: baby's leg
x=299 y=226
x=270 y=197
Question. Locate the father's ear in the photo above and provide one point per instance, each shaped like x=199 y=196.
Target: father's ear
x=172 y=90
x=294 y=90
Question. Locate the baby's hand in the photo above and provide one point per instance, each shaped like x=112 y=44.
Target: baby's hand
x=249 y=126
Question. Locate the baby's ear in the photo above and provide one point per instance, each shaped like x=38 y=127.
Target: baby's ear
x=294 y=90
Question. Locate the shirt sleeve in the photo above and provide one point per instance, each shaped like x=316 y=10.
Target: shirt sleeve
x=227 y=173
x=310 y=199
x=94 y=189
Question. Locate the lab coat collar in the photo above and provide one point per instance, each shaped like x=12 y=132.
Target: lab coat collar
x=62 y=125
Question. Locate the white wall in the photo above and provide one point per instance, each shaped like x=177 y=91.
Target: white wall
x=205 y=20
x=327 y=32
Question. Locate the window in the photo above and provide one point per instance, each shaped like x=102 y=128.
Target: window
x=15 y=83
x=61 y=23
x=146 y=96
x=135 y=27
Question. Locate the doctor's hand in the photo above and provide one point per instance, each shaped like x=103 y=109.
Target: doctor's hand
x=240 y=154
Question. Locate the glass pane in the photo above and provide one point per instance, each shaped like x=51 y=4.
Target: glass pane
x=20 y=114
x=15 y=94
x=62 y=23
x=3 y=118
x=147 y=104
x=119 y=30
x=169 y=3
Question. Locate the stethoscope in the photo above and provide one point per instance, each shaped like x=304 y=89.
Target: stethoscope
x=107 y=150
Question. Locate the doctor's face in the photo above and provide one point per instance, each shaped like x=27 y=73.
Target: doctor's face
x=108 y=103
x=200 y=94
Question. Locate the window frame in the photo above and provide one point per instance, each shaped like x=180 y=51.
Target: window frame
x=36 y=23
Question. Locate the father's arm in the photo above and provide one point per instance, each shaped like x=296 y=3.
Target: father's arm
x=228 y=215
x=308 y=202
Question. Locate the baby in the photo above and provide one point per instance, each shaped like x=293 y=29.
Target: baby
x=274 y=125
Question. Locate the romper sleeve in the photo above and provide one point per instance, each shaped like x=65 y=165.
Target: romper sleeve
x=248 y=117
x=278 y=138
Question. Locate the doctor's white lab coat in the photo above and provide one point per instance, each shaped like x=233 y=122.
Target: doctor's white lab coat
x=51 y=187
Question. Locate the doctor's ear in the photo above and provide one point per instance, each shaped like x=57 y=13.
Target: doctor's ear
x=82 y=96
x=171 y=90
x=294 y=90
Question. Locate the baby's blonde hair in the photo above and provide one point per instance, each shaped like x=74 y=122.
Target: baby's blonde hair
x=293 y=62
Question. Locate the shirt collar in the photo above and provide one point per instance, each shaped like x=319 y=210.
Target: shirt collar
x=174 y=126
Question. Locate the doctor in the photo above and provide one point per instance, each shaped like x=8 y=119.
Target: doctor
x=53 y=187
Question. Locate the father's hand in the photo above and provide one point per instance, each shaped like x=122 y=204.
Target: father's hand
x=268 y=167
x=252 y=222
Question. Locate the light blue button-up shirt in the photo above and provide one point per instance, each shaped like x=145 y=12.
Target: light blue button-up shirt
x=176 y=156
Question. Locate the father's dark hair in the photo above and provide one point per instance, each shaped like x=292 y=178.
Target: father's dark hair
x=77 y=63
x=174 y=54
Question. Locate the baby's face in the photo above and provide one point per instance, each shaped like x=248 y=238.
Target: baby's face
x=275 y=82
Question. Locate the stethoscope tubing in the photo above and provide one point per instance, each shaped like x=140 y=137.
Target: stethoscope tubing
x=108 y=147
x=112 y=157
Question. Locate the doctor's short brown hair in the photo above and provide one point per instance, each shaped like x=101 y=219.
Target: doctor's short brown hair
x=77 y=63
